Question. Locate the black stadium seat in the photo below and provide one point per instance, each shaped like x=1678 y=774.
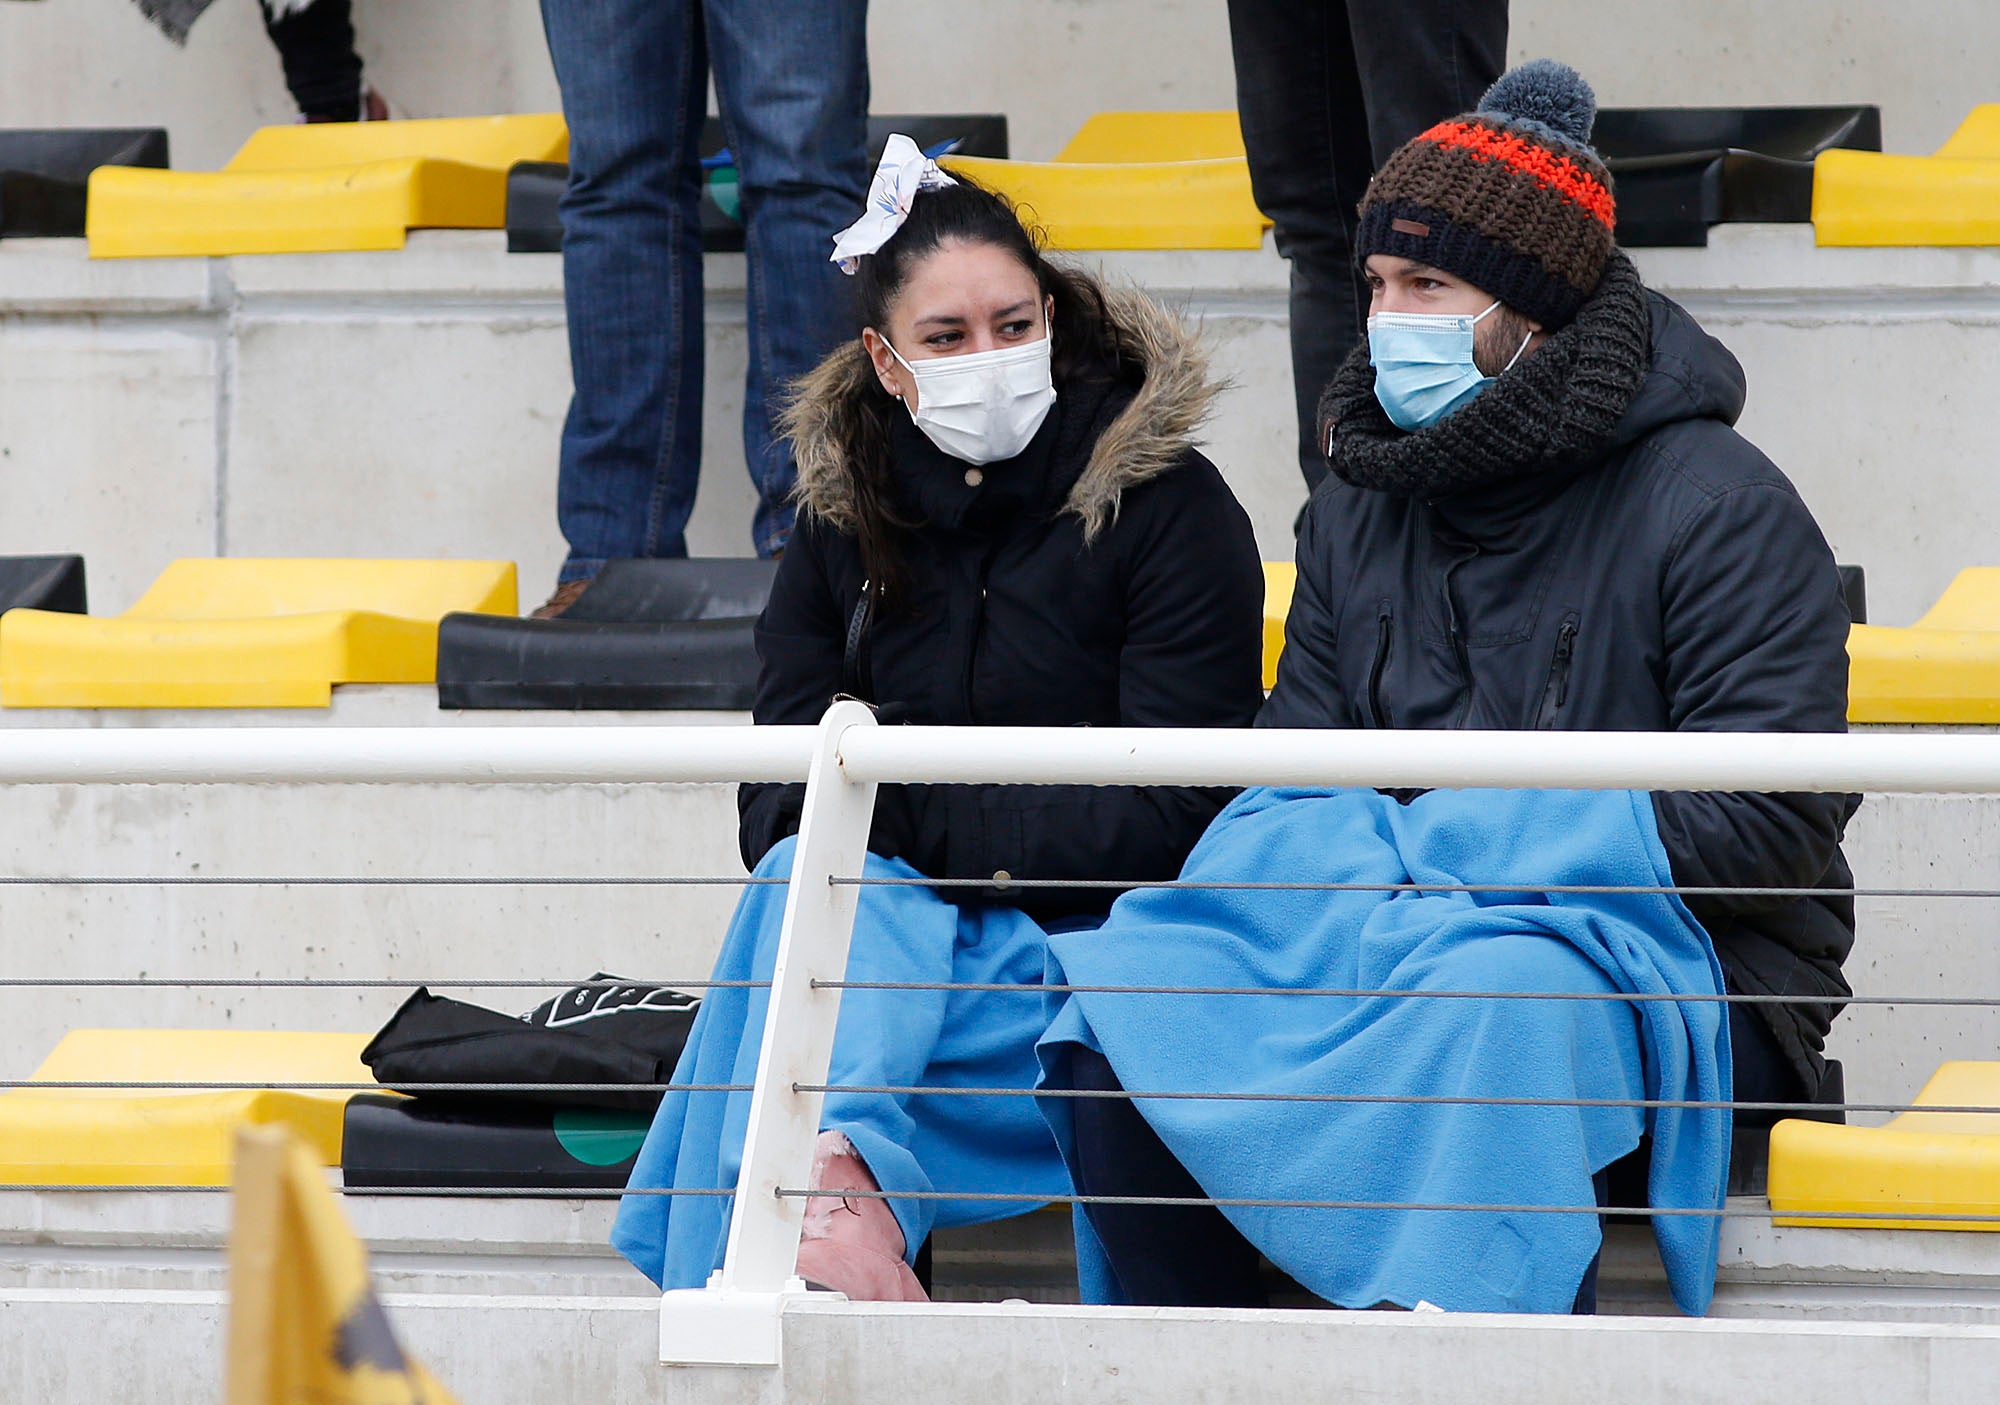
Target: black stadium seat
x=1681 y=169
x=1854 y=585
x=45 y=174
x=43 y=583
x=409 y=1142
x=534 y=187
x=667 y=634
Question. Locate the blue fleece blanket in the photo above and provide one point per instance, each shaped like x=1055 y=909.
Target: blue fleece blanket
x=1428 y=1153
x=885 y=1038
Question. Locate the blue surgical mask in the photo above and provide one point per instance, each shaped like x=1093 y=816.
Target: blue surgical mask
x=1423 y=364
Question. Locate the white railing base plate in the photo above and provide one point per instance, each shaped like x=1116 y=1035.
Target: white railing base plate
x=718 y=1326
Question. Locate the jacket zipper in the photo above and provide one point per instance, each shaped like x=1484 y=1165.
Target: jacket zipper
x=1378 y=708
x=1459 y=649
x=1556 y=693
x=978 y=633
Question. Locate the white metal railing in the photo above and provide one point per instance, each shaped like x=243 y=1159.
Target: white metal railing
x=736 y=1320
x=1913 y=762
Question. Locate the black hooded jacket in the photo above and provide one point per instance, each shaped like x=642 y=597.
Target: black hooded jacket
x=1675 y=582
x=1106 y=576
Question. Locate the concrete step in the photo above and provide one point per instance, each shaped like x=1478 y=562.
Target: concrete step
x=104 y=1242
x=437 y=932
x=439 y=377
x=432 y=933
x=164 y=1346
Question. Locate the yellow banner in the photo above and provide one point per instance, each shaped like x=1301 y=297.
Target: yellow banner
x=304 y=1325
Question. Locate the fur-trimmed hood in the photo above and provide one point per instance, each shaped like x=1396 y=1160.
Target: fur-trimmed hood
x=1144 y=440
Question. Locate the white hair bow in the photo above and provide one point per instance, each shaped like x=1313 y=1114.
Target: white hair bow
x=904 y=171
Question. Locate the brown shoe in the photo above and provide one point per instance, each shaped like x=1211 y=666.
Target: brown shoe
x=557 y=605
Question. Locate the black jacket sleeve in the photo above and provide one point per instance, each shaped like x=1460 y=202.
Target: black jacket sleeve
x=1755 y=632
x=1192 y=657
x=1308 y=691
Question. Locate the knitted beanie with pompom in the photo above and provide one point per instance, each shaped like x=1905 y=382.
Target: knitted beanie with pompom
x=1510 y=197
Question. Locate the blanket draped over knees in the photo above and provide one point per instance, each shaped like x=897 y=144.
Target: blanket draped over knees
x=1439 y=1152
x=885 y=1038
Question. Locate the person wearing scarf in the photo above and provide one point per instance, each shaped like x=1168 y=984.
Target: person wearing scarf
x=1539 y=515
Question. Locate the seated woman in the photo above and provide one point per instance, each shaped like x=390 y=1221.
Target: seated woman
x=1003 y=521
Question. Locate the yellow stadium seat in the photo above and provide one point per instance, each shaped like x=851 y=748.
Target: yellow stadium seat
x=1280 y=579
x=1943 y=669
x=1140 y=205
x=245 y=632
x=493 y=142
x=1951 y=197
x=112 y=1137
x=1919 y=1163
x=1156 y=136
x=322 y=187
x=1136 y=180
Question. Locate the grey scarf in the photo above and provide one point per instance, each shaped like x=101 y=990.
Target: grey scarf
x=1556 y=409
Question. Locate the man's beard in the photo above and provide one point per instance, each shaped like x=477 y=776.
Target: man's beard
x=1496 y=341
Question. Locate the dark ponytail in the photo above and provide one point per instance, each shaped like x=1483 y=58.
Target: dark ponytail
x=1086 y=347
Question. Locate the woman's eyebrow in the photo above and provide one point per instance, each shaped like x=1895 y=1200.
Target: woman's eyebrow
x=1022 y=306
x=940 y=319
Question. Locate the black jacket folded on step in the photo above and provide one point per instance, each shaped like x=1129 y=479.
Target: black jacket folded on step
x=602 y=1031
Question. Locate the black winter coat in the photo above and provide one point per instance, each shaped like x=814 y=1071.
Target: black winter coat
x=1104 y=577
x=1677 y=584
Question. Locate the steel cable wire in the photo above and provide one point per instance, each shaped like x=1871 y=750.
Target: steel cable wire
x=998 y=884
x=566 y=983
x=1830 y=1218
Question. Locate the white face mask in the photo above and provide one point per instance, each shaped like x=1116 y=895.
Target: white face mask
x=986 y=405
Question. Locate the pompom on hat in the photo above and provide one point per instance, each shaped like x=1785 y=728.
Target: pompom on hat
x=1510 y=197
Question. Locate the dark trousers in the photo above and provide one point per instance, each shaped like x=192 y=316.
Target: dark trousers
x=316 y=47
x=1192 y=1256
x=1327 y=90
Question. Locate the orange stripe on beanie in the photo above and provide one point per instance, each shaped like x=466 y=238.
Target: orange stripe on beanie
x=1549 y=169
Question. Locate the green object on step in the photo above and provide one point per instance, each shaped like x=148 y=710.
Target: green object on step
x=723 y=190
x=601 y=1136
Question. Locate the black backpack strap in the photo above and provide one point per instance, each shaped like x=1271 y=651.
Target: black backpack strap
x=856 y=677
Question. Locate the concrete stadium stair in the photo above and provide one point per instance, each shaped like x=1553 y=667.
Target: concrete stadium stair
x=520 y=1301
x=435 y=933
x=441 y=376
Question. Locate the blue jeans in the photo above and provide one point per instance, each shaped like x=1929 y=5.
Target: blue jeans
x=791 y=79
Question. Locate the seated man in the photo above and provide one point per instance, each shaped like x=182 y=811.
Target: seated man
x=1539 y=516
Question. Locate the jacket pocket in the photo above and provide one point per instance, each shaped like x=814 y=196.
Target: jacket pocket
x=1555 y=693
x=1385 y=633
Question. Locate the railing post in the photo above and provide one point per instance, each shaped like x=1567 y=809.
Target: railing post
x=735 y=1320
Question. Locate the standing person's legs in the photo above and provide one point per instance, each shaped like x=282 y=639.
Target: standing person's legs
x=316 y=47
x=791 y=80
x=633 y=75
x=1327 y=89
x=1421 y=61
x=1306 y=132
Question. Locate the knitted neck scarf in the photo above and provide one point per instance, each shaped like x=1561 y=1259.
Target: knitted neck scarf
x=1556 y=409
